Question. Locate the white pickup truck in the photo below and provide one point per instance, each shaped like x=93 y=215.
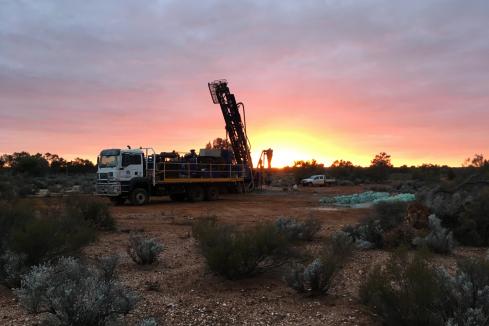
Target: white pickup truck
x=317 y=180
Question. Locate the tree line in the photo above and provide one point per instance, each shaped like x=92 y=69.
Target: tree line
x=41 y=164
x=381 y=168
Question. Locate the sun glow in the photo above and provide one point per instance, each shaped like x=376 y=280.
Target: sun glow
x=289 y=146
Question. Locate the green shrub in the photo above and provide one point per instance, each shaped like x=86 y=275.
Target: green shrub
x=406 y=292
x=143 y=251
x=234 y=253
x=30 y=237
x=390 y=214
x=473 y=223
x=409 y=291
x=297 y=230
x=74 y=293
x=95 y=211
x=340 y=244
x=49 y=237
x=316 y=278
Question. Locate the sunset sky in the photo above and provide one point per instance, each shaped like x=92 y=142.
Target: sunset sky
x=319 y=79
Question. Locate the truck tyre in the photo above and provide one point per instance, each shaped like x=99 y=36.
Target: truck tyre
x=177 y=197
x=212 y=193
x=118 y=200
x=195 y=194
x=139 y=196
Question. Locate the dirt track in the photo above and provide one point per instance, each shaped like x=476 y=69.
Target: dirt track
x=189 y=295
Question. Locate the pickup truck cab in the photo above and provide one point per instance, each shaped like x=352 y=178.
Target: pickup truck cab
x=317 y=180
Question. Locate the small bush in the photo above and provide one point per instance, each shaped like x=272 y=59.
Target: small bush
x=148 y=322
x=12 y=267
x=74 y=293
x=296 y=230
x=390 y=214
x=467 y=293
x=42 y=239
x=94 y=210
x=144 y=251
x=440 y=240
x=408 y=291
x=29 y=238
x=473 y=223
x=368 y=234
x=234 y=253
x=341 y=244
x=316 y=278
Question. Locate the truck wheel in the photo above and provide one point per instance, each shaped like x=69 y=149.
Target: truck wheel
x=177 y=197
x=195 y=194
x=212 y=193
x=118 y=200
x=139 y=196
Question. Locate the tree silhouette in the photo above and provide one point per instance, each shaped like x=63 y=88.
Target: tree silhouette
x=218 y=143
x=381 y=160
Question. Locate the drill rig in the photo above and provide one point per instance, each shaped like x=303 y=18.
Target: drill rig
x=235 y=127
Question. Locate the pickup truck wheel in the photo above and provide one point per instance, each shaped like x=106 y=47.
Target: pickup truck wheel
x=139 y=196
x=212 y=193
x=195 y=194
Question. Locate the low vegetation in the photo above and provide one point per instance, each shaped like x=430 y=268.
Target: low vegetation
x=316 y=278
x=295 y=230
x=30 y=237
x=143 y=250
x=410 y=291
x=439 y=240
x=72 y=292
x=93 y=210
x=234 y=253
x=473 y=222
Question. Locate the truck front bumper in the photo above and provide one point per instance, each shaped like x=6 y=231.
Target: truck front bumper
x=108 y=189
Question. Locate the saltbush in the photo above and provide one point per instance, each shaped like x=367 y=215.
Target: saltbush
x=405 y=292
x=235 y=253
x=368 y=234
x=410 y=291
x=473 y=223
x=94 y=210
x=29 y=238
x=340 y=244
x=142 y=250
x=386 y=219
x=74 y=293
x=148 y=322
x=440 y=239
x=390 y=214
x=49 y=237
x=298 y=230
x=316 y=278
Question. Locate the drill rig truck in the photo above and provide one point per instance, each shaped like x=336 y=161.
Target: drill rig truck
x=138 y=174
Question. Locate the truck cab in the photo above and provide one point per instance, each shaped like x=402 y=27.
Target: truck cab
x=118 y=170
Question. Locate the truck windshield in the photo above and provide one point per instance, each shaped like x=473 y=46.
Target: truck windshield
x=108 y=161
